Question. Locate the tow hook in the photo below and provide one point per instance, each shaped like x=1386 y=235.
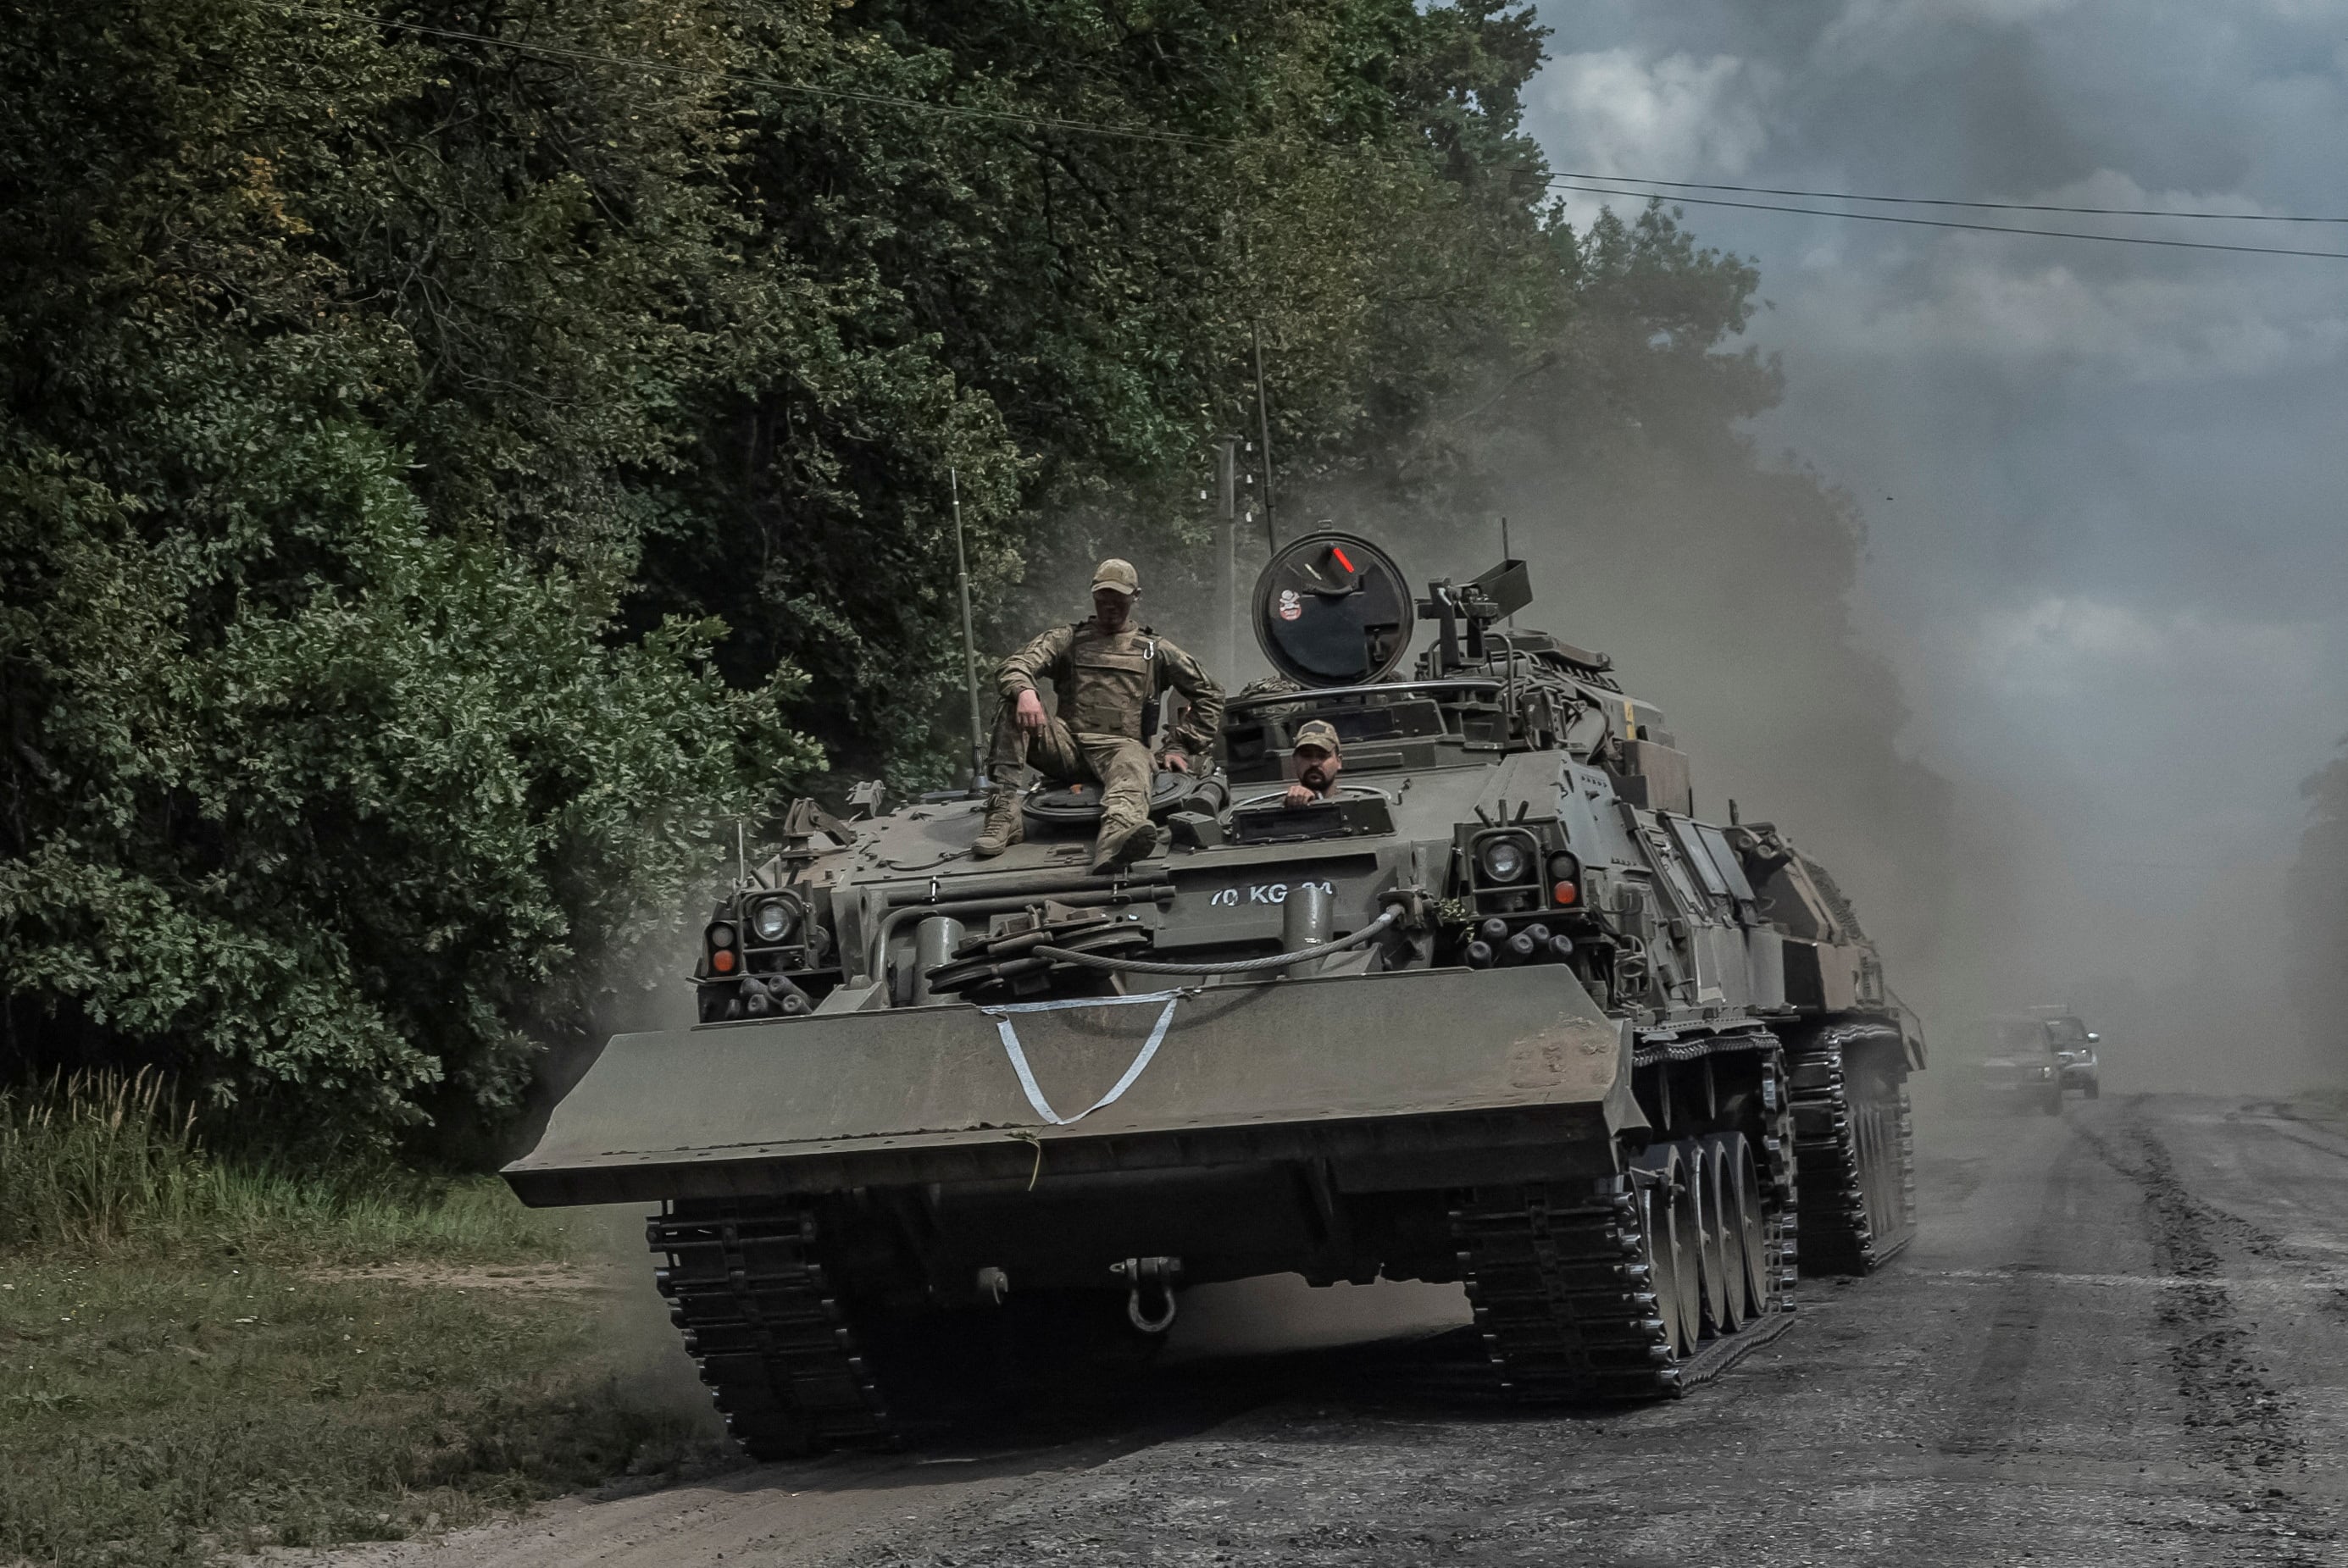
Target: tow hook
x=1153 y=1274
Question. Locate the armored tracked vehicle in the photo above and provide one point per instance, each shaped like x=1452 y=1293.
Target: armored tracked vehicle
x=1503 y=1011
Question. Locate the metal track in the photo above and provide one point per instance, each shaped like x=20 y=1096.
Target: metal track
x=1559 y=1280
x=761 y=1319
x=1854 y=1154
x=1561 y=1292
x=1564 y=1293
x=1780 y=1175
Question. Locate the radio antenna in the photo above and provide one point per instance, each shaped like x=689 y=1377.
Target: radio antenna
x=1263 y=432
x=969 y=638
x=1227 y=571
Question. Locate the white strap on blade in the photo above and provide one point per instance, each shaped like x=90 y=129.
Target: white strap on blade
x=1004 y=1028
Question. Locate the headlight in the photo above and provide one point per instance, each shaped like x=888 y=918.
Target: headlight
x=774 y=919
x=1504 y=859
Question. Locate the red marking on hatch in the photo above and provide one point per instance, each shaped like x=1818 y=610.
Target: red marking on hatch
x=1341 y=557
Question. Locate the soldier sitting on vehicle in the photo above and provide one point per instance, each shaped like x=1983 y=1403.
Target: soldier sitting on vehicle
x=1317 y=763
x=1107 y=674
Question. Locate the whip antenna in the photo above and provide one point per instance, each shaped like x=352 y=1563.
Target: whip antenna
x=969 y=638
x=1264 y=431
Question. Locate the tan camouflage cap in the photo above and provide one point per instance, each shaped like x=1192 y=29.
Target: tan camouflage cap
x=1318 y=732
x=1117 y=576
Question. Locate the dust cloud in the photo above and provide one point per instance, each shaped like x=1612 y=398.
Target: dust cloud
x=2317 y=908
x=645 y=1355
x=1743 y=620
x=640 y=1350
x=1730 y=591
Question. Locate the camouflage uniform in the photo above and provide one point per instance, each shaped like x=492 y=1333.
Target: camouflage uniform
x=1105 y=682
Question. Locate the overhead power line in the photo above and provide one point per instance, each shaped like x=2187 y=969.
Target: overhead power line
x=1558 y=183
x=802 y=90
x=1947 y=201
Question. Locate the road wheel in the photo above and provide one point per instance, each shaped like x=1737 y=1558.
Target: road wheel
x=1667 y=1204
x=1713 y=1224
x=1739 y=1222
x=2051 y=1102
x=1752 y=1227
x=2095 y=1089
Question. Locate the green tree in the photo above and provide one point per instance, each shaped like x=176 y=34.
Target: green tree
x=325 y=778
x=1067 y=317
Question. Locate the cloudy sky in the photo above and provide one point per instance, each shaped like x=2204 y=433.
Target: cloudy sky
x=2103 y=483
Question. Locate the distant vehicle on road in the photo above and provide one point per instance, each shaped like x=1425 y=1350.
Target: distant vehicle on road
x=2034 y=1058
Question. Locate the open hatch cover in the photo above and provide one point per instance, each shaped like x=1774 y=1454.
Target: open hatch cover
x=1331 y=609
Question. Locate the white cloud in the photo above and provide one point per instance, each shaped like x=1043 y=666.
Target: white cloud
x=1618 y=111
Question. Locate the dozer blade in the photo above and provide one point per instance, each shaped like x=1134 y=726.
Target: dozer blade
x=1410 y=1080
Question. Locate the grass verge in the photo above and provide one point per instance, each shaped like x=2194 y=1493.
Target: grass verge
x=188 y=1368
x=104 y=1165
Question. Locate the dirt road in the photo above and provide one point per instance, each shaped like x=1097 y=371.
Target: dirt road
x=2122 y=1338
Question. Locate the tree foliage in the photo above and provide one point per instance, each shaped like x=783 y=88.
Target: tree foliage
x=451 y=452
x=1067 y=318
x=325 y=776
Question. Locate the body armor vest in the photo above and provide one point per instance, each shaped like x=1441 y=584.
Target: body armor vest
x=1111 y=681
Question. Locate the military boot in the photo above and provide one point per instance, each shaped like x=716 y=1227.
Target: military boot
x=1004 y=826
x=1121 y=844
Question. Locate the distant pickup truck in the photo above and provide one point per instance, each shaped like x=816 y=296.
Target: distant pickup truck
x=2031 y=1059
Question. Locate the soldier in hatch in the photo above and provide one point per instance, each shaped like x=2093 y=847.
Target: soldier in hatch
x=1316 y=763
x=1107 y=674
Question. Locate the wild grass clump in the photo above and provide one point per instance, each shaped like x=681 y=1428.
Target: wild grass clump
x=108 y=1162
x=91 y=1161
